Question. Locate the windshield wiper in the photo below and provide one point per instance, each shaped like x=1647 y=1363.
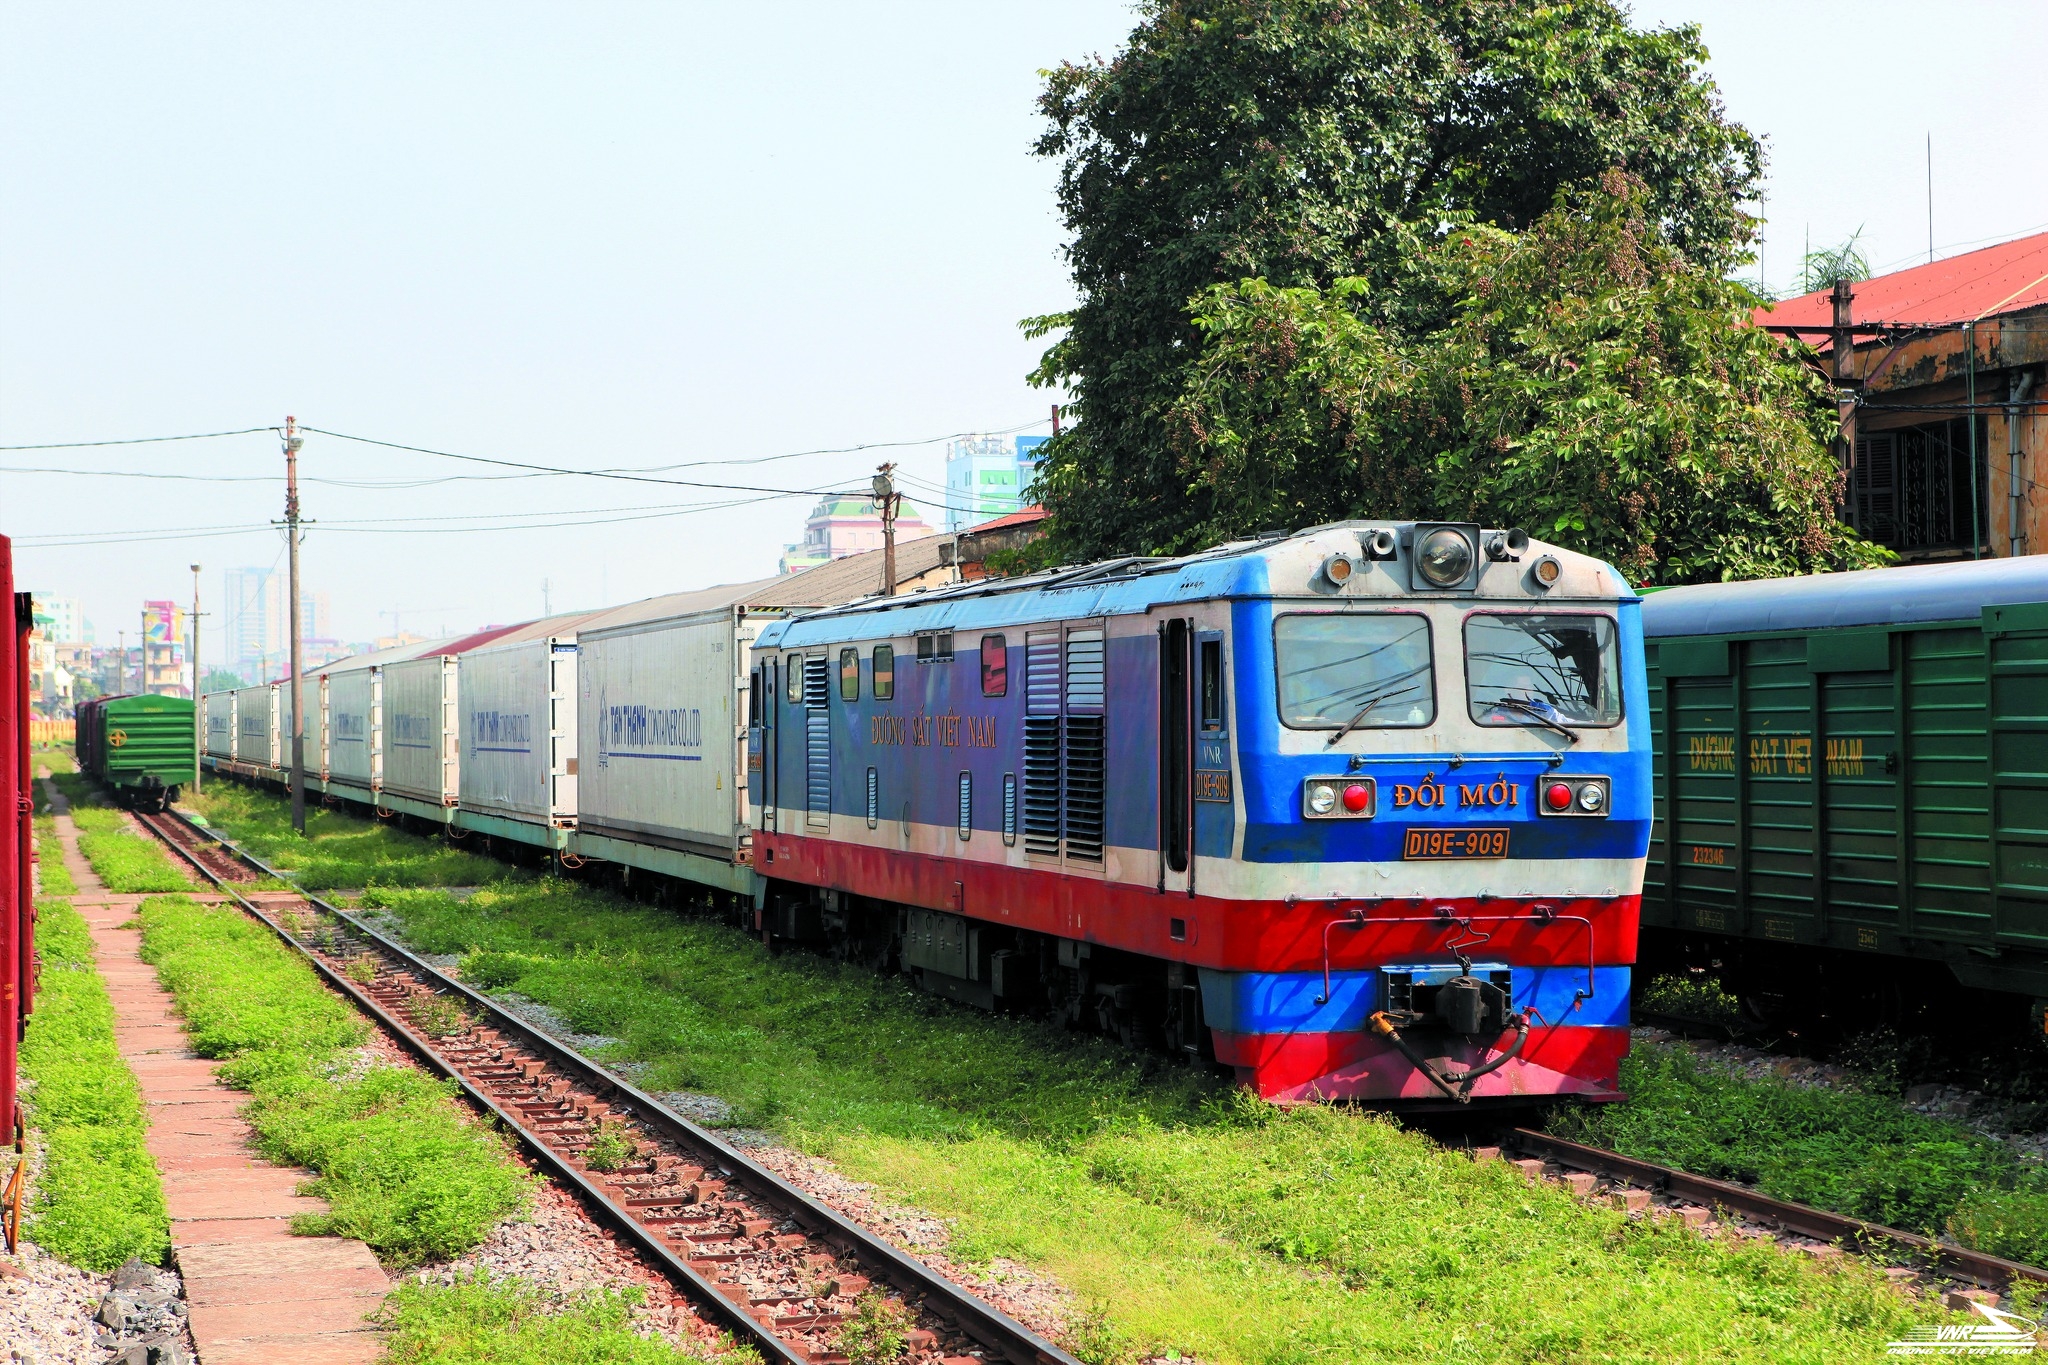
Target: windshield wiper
x=1363 y=712
x=1535 y=713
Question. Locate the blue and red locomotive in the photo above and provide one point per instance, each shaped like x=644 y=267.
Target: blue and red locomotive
x=1362 y=809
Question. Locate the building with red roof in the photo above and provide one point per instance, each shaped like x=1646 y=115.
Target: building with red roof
x=1942 y=367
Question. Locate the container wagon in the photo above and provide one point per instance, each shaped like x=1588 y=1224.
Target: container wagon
x=142 y=749
x=1362 y=810
x=1851 y=788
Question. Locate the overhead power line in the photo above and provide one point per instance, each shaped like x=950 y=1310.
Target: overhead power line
x=140 y=440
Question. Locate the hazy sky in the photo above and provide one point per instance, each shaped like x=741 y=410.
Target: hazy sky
x=615 y=234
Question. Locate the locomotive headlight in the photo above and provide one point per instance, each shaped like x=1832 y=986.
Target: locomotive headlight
x=1445 y=557
x=1572 y=795
x=1338 y=798
x=1338 y=568
x=1546 y=571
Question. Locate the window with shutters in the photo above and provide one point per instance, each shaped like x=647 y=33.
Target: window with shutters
x=1910 y=488
x=817 y=676
x=1084 y=763
x=1042 y=742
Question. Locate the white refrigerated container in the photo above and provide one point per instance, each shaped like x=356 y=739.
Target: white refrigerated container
x=219 y=710
x=661 y=731
x=256 y=725
x=518 y=730
x=420 y=731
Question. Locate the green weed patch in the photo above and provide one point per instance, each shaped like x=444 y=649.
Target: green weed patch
x=486 y=1321
x=99 y=1198
x=337 y=849
x=53 y=878
x=400 y=1165
x=1855 y=1153
x=122 y=858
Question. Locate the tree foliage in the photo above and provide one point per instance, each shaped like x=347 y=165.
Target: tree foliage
x=1589 y=384
x=1306 y=141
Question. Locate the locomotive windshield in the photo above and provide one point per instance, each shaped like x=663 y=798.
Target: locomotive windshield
x=1534 y=668
x=1354 y=671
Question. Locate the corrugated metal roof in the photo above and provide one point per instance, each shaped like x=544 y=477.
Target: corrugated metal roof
x=1977 y=284
x=849 y=579
x=1023 y=516
x=1866 y=597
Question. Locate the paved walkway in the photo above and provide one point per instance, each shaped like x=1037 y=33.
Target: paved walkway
x=258 y=1294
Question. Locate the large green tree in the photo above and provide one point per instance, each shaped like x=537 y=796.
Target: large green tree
x=1589 y=383
x=1304 y=141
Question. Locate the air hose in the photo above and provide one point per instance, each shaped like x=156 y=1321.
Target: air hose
x=1456 y=1084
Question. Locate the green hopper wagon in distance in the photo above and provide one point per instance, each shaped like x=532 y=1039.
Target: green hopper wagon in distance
x=139 y=748
x=1851 y=792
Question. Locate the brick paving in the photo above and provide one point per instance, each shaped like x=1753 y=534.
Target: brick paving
x=256 y=1292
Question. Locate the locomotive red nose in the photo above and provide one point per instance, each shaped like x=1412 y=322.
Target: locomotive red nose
x=1558 y=796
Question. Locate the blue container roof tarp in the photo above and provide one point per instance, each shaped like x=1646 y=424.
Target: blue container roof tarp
x=1907 y=595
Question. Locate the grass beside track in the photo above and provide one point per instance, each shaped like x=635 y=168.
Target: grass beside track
x=1185 y=1217
x=1191 y=1218
x=338 y=849
x=485 y=1321
x=123 y=857
x=99 y=1199
x=1854 y=1152
x=400 y=1164
x=53 y=878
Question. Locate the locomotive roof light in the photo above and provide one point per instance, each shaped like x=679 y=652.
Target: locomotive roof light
x=1507 y=546
x=1444 y=557
x=1338 y=568
x=1545 y=572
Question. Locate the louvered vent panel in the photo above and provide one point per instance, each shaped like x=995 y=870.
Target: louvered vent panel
x=1042 y=742
x=817 y=744
x=1877 y=497
x=1085 y=775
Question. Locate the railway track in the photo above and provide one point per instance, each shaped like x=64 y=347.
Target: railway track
x=1798 y=1220
x=783 y=1272
x=511 y=1069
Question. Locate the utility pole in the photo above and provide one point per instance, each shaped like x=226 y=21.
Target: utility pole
x=142 y=656
x=887 y=500
x=198 y=740
x=120 y=661
x=292 y=442
x=1844 y=358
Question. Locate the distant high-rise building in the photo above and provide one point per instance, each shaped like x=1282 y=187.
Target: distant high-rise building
x=987 y=476
x=841 y=525
x=60 y=621
x=1029 y=457
x=257 y=624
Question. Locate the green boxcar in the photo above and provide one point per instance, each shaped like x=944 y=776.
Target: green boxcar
x=1854 y=767
x=140 y=748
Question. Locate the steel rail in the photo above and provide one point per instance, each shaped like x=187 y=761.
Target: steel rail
x=1819 y=1224
x=988 y=1325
